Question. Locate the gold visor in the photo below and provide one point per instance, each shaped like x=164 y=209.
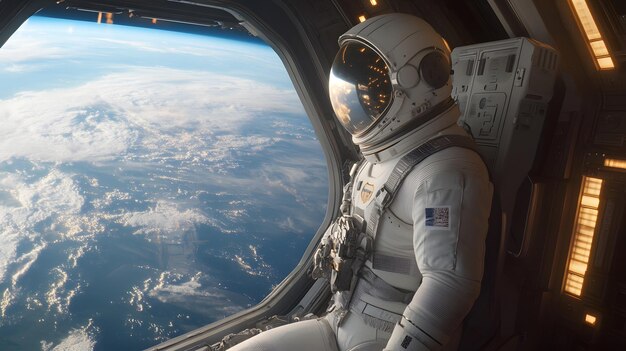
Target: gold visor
x=359 y=86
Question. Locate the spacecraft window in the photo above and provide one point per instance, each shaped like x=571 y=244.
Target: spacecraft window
x=151 y=182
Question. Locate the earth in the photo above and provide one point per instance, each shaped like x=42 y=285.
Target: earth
x=151 y=182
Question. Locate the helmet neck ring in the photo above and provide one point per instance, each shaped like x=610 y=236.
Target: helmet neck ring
x=413 y=124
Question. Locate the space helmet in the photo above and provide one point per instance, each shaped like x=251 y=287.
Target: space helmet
x=390 y=76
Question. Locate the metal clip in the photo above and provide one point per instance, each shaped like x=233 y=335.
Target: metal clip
x=383 y=197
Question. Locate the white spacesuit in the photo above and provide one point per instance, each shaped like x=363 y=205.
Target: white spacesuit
x=390 y=88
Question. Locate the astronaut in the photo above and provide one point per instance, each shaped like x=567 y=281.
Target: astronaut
x=415 y=214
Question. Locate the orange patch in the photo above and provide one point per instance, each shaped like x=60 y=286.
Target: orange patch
x=366 y=192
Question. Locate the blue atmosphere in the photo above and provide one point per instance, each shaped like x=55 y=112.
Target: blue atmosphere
x=151 y=182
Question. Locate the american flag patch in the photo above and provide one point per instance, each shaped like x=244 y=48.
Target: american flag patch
x=438 y=217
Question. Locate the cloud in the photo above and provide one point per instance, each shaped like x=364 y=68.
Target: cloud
x=192 y=287
x=190 y=293
x=30 y=258
x=141 y=107
x=53 y=200
x=205 y=49
x=10 y=240
x=23 y=48
x=17 y=68
x=165 y=219
x=26 y=261
x=80 y=339
x=52 y=195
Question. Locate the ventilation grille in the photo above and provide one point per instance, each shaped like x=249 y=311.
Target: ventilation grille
x=547 y=59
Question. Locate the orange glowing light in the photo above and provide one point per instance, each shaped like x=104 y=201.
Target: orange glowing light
x=584 y=231
x=605 y=63
x=615 y=163
x=99 y=17
x=154 y=21
x=362 y=18
x=590 y=319
x=595 y=41
x=109 y=17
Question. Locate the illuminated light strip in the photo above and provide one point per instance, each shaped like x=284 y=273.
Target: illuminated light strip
x=99 y=17
x=590 y=319
x=584 y=230
x=615 y=163
x=594 y=38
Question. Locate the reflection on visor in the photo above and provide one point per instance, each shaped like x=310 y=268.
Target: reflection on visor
x=359 y=87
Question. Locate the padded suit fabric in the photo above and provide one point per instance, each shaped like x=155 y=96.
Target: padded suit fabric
x=318 y=335
x=450 y=255
x=310 y=335
x=355 y=335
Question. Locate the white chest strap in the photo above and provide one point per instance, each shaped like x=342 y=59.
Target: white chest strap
x=385 y=195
